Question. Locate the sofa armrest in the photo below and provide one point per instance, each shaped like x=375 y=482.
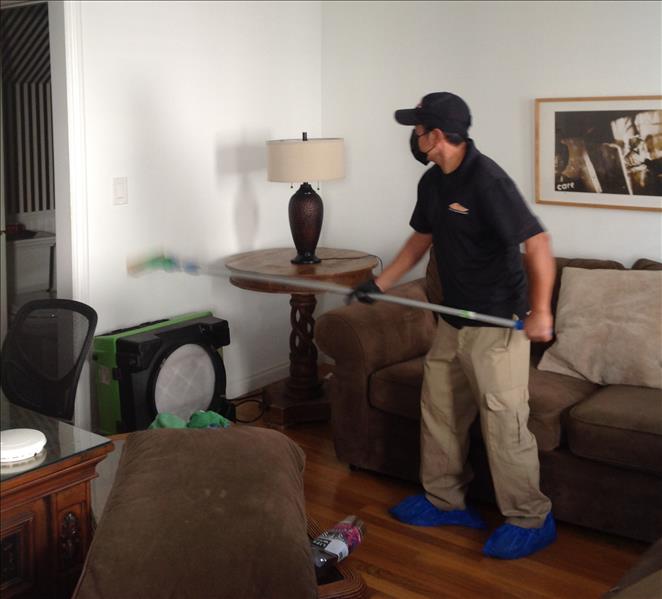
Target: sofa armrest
x=369 y=337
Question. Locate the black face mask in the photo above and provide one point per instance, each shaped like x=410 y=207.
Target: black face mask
x=422 y=157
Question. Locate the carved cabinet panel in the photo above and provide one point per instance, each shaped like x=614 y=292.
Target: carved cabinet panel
x=44 y=543
x=71 y=535
x=24 y=550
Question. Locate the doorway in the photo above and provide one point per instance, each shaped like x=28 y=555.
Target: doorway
x=69 y=273
x=28 y=199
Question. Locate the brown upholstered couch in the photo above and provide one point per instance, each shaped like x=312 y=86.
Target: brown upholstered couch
x=203 y=513
x=600 y=447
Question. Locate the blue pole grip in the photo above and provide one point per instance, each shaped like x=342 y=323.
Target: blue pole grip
x=519 y=325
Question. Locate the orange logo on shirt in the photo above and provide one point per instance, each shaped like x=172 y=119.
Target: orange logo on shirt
x=459 y=208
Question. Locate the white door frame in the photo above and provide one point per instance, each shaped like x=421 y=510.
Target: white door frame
x=70 y=168
x=4 y=311
x=65 y=19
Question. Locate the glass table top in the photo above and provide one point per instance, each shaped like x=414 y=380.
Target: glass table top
x=62 y=440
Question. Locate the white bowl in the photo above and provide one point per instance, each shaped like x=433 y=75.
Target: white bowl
x=18 y=444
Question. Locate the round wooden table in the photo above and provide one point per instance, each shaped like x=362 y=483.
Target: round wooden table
x=300 y=397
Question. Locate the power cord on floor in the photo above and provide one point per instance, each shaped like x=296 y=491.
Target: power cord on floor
x=246 y=399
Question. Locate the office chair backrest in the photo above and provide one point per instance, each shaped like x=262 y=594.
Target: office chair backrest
x=43 y=355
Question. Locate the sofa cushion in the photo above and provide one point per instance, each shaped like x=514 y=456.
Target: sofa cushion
x=608 y=327
x=551 y=395
x=539 y=348
x=586 y=263
x=203 y=513
x=619 y=425
x=647 y=264
x=396 y=389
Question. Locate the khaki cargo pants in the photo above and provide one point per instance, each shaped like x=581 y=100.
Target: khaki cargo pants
x=486 y=370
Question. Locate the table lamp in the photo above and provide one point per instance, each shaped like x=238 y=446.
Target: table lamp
x=300 y=161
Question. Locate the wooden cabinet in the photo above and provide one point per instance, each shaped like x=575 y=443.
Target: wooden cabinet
x=45 y=514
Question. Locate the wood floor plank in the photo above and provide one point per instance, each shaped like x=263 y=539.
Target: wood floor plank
x=398 y=561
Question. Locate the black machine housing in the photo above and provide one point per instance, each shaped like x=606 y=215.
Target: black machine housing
x=140 y=357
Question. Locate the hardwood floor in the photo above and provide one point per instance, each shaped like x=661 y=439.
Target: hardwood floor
x=407 y=562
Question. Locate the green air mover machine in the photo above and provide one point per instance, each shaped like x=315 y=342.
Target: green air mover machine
x=167 y=366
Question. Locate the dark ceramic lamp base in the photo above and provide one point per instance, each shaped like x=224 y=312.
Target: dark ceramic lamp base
x=306 y=212
x=305 y=259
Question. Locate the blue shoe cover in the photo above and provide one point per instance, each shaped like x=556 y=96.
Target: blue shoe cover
x=512 y=542
x=417 y=510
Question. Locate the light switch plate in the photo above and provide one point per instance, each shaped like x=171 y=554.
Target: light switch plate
x=120 y=191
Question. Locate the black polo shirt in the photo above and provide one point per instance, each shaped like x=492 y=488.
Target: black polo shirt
x=478 y=219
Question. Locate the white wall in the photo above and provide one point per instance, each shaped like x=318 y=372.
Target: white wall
x=180 y=97
x=499 y=56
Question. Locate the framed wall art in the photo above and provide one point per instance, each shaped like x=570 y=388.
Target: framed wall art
x=599 y=152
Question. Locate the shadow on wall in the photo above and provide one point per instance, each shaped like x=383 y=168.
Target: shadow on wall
x=248 y=361
x=242 y=160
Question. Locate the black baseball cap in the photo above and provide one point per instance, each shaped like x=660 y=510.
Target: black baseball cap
x=439 y=110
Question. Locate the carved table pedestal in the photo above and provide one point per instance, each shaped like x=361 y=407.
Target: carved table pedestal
x=300 y=397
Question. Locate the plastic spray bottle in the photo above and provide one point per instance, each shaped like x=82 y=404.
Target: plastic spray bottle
x=335 y=544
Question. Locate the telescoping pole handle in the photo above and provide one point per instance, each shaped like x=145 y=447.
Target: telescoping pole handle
x=502 y=322
x=380 y=297
x=170 y=263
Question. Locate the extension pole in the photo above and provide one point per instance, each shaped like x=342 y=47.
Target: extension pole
x=172 y=264
x=382 y=297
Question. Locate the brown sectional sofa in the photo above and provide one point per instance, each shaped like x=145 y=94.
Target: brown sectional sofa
x=600 y=446
x=203 y=513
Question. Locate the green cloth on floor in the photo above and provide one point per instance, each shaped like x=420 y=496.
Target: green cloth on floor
x=209 y=419
x=199 y=419
x=165 y=420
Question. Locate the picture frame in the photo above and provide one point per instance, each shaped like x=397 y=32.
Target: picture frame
x=599 y=152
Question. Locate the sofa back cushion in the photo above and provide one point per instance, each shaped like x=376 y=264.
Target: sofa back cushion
x=435 y=294
x=646 y=264
x=586 y=263
x=539 y=348
x=608 y=327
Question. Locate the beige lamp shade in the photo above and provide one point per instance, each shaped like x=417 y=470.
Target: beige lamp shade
x=297 y=160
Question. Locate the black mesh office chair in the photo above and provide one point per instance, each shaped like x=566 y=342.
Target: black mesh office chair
x=43 y=355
